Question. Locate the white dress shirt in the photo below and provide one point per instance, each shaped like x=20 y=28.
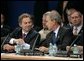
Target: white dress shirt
x=56 y=31
x=1 y=26
x=78 y=29
x=12 y=40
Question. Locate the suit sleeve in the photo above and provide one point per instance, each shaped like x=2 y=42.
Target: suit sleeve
x=11 y=35
x=66 y=39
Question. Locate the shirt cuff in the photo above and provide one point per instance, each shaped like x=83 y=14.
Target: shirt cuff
x=12 y=41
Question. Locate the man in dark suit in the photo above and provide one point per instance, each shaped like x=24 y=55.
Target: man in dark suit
x=77 y=24
x=17 y=36
x=76 y=18
x=62 y=36
x=5 y=29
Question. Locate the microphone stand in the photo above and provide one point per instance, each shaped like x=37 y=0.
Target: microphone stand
x=33 y=47
x=4 y=41
x=68 y=52
x=30 y=52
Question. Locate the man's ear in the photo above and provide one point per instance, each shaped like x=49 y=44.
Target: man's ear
x=54 y=21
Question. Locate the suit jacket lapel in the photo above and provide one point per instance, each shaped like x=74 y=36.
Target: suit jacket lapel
x=81 y=30
x=19 y=34
x=60 y=34
x=30 y=35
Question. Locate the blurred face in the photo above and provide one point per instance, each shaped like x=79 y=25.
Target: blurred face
x=76 y=19
x=69 y=19
x=44 y=22
x=2 y=18
x=49 y=23
x=26 y=24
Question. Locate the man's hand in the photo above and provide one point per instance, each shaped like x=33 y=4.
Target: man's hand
x=8 y=47
x=71 y=49
x=43 y=49
x=19 y=41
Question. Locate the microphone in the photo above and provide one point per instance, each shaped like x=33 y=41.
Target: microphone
x=4 y=41
x=68 y=52
x=34 y=43
x=8 y=36
x=76 y=39
x=30 y=51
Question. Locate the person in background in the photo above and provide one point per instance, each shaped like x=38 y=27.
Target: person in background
x=43 y=32
x=23 y=34
x=68 y=5
x=5 y=29
x=76 y=18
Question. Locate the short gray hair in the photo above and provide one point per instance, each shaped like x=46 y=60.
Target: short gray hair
x=71 y=11
x=47 y=13
x=54 y=15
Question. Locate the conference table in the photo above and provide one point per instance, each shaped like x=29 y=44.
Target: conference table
x=13 y=56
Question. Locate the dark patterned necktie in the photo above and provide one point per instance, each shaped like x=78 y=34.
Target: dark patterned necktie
x=23 y=36
x=75 y=31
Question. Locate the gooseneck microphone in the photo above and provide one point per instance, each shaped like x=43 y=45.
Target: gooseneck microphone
x=33 y=47
x=68 y=52
x=4 y=41
x=9 y=36
x=32 y=50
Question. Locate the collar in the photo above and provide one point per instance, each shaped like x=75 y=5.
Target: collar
x=56 y=30
x=24 y=32
x=78 y=27
x=1 y=26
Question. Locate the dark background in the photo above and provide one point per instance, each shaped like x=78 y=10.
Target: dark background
x=12 y=9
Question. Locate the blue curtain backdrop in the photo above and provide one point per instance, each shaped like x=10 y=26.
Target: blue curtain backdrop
x=12 y=9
